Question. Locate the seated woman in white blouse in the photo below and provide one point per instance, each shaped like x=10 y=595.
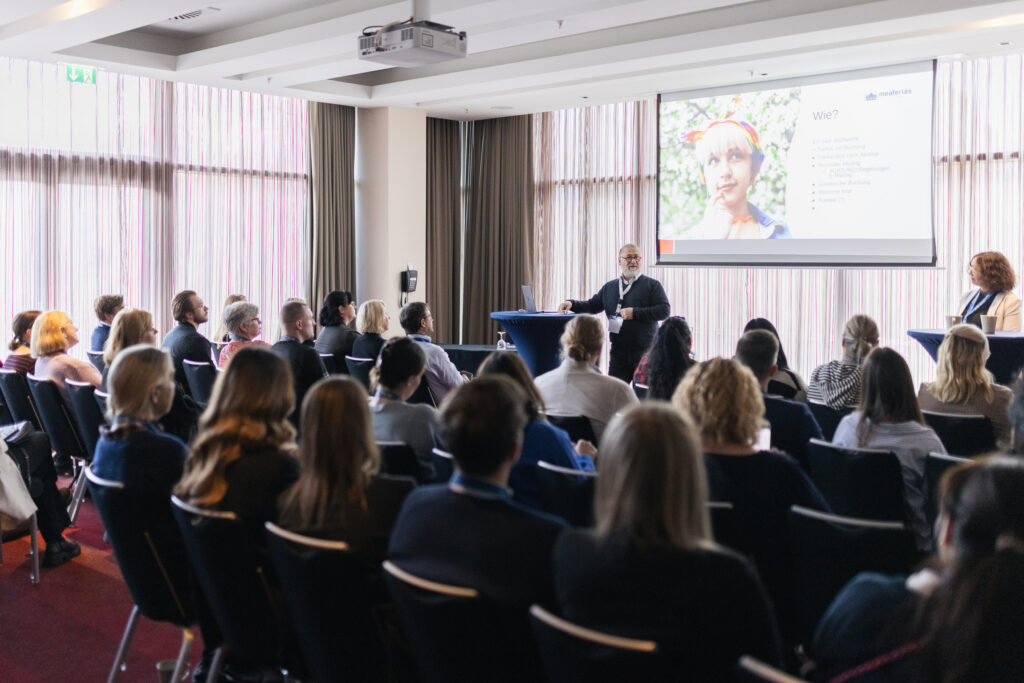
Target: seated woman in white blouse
x=994 y=278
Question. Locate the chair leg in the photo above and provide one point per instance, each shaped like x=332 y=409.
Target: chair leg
x=218 y=662
x=33 y=530
x=181 y=665
x=77 y=493
x=126 y=639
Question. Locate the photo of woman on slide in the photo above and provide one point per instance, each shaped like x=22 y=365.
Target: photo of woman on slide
x=730 y=157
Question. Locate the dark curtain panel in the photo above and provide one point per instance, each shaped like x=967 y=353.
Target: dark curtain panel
x=444 y=238
x=331 y=255
x=499 y=223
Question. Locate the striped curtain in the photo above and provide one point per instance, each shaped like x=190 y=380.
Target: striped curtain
x=595 y=173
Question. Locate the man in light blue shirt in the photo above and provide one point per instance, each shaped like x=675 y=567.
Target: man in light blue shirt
x=441 y=374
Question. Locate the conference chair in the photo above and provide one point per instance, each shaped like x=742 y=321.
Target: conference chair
x=236 y=581
x=751 y=670
x=567 y=493
x=200 y=378
x=5 y=415
x=858 y=482
x=331 y=602
x=331 y=363
x=444 y=465
x=101 y=401
x=87 y=412
x=962 y=435
x=578 y=427
x=640 y=390
x=360 y=369
x=399 y=460
x=935 y=465
x=18 y=398
x=829 y=550
x=828 y=418
x=457 y=634
x=423 y=394
x=20 y=459
x=96 y=358
x=727 y=528
x=151 y=556
x=65 y=435
x=574 y=654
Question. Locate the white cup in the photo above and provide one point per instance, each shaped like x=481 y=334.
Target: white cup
x=953 y=320
x=988 y=324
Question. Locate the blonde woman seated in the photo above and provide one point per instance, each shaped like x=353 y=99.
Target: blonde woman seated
x=53 y=334
x=340 y=494
x=994 y=278
x=577 y=387
x=964 y=386
x=837 y=383
x=651 y=569
x=242 y=319
x=372 y=321
x=129 y=327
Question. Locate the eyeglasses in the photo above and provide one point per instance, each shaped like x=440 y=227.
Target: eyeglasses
x=630 y=258
x=257 y=321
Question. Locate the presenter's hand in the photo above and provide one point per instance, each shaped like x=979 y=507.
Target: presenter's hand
x=627 y=313
x=717 y=221
x=584 y=447
x=565 y=307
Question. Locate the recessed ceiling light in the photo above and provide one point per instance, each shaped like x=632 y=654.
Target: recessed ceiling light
x=1006 y=43
x=585 y=97
x=503 y=107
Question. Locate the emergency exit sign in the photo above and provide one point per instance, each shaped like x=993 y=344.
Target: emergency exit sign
x=80 y=74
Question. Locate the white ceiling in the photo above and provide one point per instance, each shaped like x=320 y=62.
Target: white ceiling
x=524 y=55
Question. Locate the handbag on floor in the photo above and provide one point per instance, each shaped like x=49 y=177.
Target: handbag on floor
x=15 y=500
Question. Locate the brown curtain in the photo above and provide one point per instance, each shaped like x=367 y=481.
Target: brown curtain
x=332 y=140
x=499 y=223
x=444 y=235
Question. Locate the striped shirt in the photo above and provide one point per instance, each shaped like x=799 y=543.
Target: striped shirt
x=836 y=384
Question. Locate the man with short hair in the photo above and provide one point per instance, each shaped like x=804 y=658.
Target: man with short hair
x=792 y=422
x=441 y=374
x=307 y=368
x=634 y=304
x=471 y=532
x=184 y=341
x=106 y=307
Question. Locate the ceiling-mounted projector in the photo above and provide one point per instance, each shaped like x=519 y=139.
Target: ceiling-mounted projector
x=413 y=44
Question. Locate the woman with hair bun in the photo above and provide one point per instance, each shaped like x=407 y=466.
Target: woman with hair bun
x=994 y=278
x=20 y=359
x=337 y=335
x=577 y=387
x=837 y=383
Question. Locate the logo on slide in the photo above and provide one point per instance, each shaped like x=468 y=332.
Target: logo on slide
x=871 y=97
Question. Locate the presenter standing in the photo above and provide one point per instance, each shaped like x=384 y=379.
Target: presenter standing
x=634 y=304
x=994 y=278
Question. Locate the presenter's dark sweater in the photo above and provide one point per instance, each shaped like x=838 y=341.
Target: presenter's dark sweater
x=649 y=302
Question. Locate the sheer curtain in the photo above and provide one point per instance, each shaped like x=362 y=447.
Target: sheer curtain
x=596 y=186
x=144 y=187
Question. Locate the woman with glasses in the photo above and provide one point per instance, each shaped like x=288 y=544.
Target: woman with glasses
x=242 y=319
x=994 y=279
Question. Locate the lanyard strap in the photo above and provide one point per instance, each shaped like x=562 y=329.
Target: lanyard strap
x=977 y=302
x=623 y=292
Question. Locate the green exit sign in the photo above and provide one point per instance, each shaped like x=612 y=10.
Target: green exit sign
x=80 y=74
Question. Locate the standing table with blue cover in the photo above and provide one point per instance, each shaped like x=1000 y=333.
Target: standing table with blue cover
x=536 y=336
x=1007 y=351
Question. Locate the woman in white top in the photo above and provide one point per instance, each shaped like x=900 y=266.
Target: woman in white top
x=994 y=278
x=964 y=386
x=889 y=418
x=577 y=387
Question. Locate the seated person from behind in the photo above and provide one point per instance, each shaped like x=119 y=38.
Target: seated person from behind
x=184 y=341
x=53 y=334
x=106 y=307
x=667 y=360
x=792 y=423
x=20 y=359
x=441 y=374
x=242 y=319
x=786 y=382
x=372 y=321
x=837 y=383
x=470 y=532
x=399 y=373
x=651 y=569
x=307 y=368
x=337 y=335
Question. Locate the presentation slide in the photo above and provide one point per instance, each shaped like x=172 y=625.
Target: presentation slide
x=831 y=169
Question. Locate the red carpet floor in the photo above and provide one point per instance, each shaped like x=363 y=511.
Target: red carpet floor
x=68 y=627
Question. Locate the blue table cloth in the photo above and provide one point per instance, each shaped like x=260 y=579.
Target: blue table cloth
x=536 y=337
x=1007 y=351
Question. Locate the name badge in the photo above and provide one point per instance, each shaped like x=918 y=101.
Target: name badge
x=615 y=324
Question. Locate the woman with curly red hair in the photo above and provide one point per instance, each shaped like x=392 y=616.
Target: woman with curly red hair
x=994 y=278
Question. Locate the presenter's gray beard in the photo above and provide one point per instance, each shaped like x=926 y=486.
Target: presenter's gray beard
x=630 y=272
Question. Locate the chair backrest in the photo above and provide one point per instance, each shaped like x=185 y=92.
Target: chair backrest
x=578 y=426
x=330 y=601
x=331 y=363
x=571 y=652
x=444 y=465
x=96 y=358
x=828 y=418
x=567 y=493
x=963 y=434
x=360 y=369
x=58 y=422
x=148 y=548
x=829 y=550
x=423 y=394
x=399 y=459
x=200 y=378
x=858 y=482
x=235 y=581
x=87 y=412
x=935 y=465
x=456 y=634
x=750 y=670
x=640 y=390
x=18 y=398
x=101 y=401
x=727 y=528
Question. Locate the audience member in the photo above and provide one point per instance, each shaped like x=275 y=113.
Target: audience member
x=786 y=382
x=371 y=321
x=222 y=330
x=792 y=423
x=106 y=307
x=667 y=360
x=129 y=327
x=307 y=368
x=53 y=334
x=889 y=418
x=399 y=373
x=994 y=278
x=243 y=322
x=960 y=619
x=20 y=358
x=837 y=383
x=577 y=387
x=723 y=397
x=651 y=569
x=471 y=532
x=337 y=336
x=184 y=342
x=963 y=385
x=541 y=441
x=339 y=493
x=441 y=374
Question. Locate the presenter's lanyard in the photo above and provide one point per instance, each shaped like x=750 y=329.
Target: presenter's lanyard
x=976 y=303
x=623 y=291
